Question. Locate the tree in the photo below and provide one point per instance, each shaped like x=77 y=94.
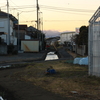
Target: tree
x=82 y=37
x=75 y=38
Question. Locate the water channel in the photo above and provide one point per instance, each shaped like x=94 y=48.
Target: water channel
x=51 y=56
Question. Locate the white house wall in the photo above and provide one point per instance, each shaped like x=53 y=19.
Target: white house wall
x=4 y=37
x=4 y=27
x=27 y=37
x=11 y=27
x=13 y=40
x=66 y=37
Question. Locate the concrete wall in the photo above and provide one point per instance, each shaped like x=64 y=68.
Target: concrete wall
x=81 y=50
x=3 y=49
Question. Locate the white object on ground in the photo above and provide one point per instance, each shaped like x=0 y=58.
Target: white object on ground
x=51 y=53
x=76 y=60
x=83 y=61
x=4 y=66
x=1 y=98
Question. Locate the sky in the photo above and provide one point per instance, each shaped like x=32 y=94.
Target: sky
x=57 y=15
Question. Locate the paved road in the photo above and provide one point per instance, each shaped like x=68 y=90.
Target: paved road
x=27 y=57
x=63 y=53
x=22 y=57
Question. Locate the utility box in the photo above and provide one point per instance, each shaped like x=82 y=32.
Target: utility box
x=30 y=45
x=94 y=44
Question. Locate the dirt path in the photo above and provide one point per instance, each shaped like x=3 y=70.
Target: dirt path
x=23 y=90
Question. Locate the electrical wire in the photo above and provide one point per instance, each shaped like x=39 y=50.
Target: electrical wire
x=78 y=13
x=67 y=9
x=24 y=8
x=52 y=8
x=53 y=20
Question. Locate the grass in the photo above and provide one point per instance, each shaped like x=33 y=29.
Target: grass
x=69 y=78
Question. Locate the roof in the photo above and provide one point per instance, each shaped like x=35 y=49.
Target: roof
x=68 y=32
x=21 y=27
x=5 y=15
x=31 y=28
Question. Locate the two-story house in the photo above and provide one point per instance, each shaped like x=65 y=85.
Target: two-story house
x=7 y=22
x=66 y=37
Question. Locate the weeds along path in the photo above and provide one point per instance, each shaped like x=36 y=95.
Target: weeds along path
x=23 y=90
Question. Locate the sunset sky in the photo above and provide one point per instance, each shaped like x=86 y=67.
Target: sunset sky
x=58 y=15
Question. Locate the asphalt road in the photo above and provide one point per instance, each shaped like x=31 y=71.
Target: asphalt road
x=22 y=57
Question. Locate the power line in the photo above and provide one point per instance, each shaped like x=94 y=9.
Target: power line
x=69 y=12
x=52 y=21
x=54 y=8
x=67 y=9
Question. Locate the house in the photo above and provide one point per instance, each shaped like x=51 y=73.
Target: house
x=32 y=32
x=7 y=22
x=19 y=32
x=66 y=37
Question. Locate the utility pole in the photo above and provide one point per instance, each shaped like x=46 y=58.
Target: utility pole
x=37 y=18
x=18 y=31
x=8 y=35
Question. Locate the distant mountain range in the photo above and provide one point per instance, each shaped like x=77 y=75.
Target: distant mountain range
x=51 y=33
